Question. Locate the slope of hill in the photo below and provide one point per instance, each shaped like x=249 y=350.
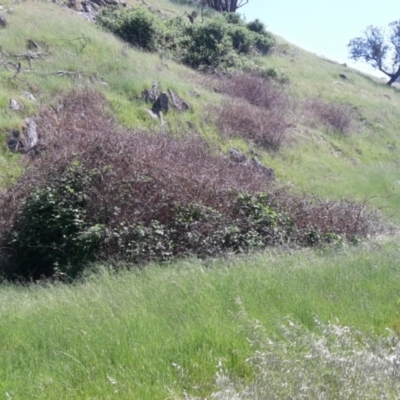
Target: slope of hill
x=160 y=333
x=360 y=164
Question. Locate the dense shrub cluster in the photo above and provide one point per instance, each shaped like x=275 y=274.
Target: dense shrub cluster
x=93 y=190
x=259 y=110
x=219 y=42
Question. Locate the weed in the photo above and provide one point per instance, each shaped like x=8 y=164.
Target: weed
x=335 y=362
x=341 y=117
x=259 y=110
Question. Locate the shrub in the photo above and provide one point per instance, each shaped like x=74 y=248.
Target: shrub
x=94 y=190
x=257 y=26
x=51 y=234
x=340 y=117
x=275 y=75
x=266 y=128
x=137 y=26
x=264 y=43
x=233 y=18
x=257 y=90
x=262 y=113
x=214 y=44
x=242 y=39
x=208 y=45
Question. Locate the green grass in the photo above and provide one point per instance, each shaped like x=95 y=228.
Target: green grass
x=157 y=333
x=96 y=59
x=165 y=329
x=361 y=165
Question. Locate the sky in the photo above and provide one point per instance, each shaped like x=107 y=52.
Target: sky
x=323 y=27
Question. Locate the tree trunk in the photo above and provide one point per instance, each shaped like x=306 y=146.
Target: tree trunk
x=394 y=77
x=223 y=5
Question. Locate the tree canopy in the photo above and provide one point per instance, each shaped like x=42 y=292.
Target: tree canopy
x=379 y=49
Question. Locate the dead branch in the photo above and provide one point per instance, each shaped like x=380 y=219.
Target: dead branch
x=84 y=41
x=242 y=3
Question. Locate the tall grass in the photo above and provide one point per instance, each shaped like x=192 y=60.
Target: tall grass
x=162 y=331
x=335 y=362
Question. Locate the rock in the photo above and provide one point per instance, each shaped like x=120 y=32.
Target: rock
x=178 y=103
x=23 y=143
x=13 y=144
x=150 y=95
x=152 y=115
x=14 y=105
x=387 y=96
x=31 y=134
x=161 y=104
x=3 y=21
x=30 y=96
x=13 y=140
x=256 y=164
x=237 y=156
x=194 y=93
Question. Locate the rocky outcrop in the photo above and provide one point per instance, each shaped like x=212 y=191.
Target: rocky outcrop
x=177 y=102
x=161 y=102
x=150 y=95
x=238 y=157
x=266 y=171
x=23 y=141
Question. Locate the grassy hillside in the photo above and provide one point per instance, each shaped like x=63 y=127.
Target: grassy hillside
x=361 y=164
x=309 y=323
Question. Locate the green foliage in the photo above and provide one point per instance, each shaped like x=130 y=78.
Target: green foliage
x=138 y=243
x=242 y=39
x=271 y=225
x=233 y=18
x=137 y=26
x=51 y=236
x=214 y=44
x=275 y=75
x=257 y=26
x=209 y=45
